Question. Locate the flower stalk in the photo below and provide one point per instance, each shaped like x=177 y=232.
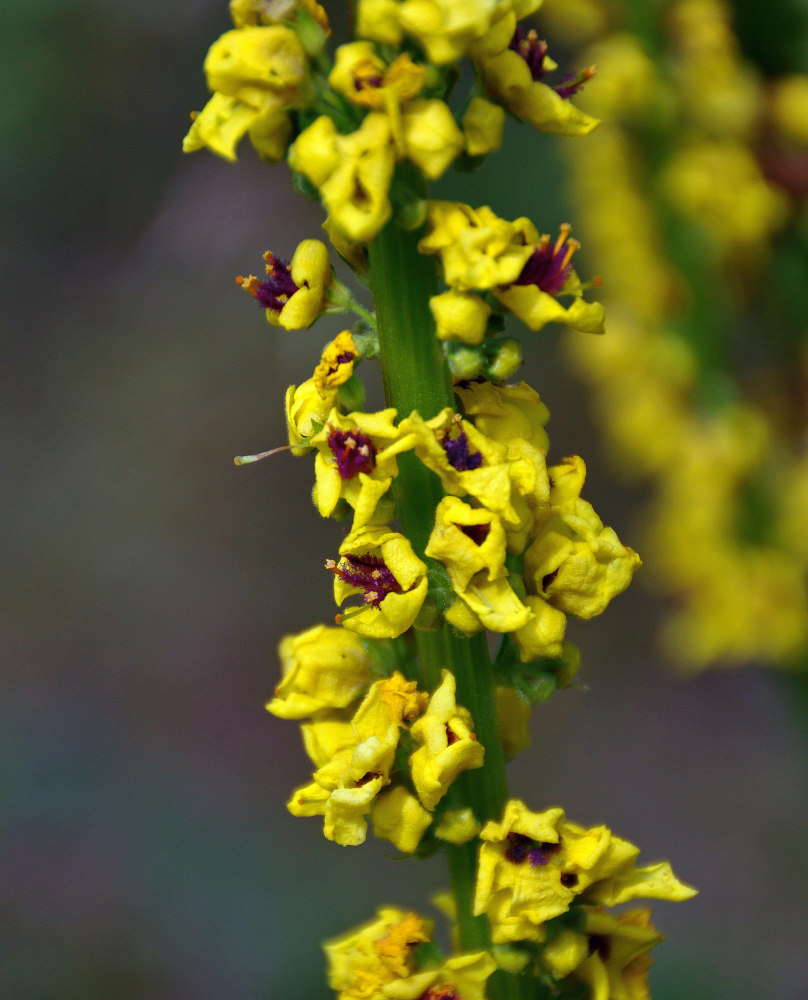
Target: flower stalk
x=458 y=526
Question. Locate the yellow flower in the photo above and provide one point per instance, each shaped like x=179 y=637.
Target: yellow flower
x=446 y=744
x=548 y=273
x=431 y=138
x=467 y=462
x=457 y=826
x=342 y=790
x=246 y=12
x=399 y=817
x=294 y=294
x=460 y=316
x=478 y=250
x=575 y=563
x=224 y=121
x=323 y=668
x=352 y=172
x=336 y=363
x=565 y=952
x=617 y=968
x=461 y=976
x=306 y=413
x=513 y=63
x=515 y=416
x=378 y=20
x=356 y=461
x=532 y=867
x=380 y=565
x=362 y=961
x=542 y=636
x=721 y=186
x=471 y=543
x=255 y=73
x=363 y=77
x=446 y=28
x=483 y=124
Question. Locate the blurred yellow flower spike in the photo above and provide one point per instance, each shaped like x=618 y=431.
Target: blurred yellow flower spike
x=343 y=789
x=363 y=961
x=446 y=744
x=322 y=668
x=477 y=249
x=399 y=817
x=306 y=413
x=575 y=563
x=380 y=565
x=294 y=295
x=356 y=462
x=532 y=867
x=619 y=960
x=352 y=172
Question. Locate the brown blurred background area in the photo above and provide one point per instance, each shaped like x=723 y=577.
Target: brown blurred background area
x=146 y=850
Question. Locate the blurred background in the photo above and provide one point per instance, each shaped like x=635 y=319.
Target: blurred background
x=146 y=848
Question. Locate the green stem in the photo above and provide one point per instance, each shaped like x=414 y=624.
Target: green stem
x=416 y=378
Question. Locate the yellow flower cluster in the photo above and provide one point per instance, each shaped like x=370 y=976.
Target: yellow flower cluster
x=505 y=543
x=352 y=727
x=346 y=124
x=723 y=531
x=534 y=866
x=376 y=961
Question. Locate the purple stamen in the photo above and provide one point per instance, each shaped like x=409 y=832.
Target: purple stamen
x=277 y=289
x=528 y=45
x=457 y=451
x=549 y=266
x=354 y=451
x=521 y=848
x=367 y=573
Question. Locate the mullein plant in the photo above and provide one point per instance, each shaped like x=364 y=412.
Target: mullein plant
x=458 y=529
x=693 y=201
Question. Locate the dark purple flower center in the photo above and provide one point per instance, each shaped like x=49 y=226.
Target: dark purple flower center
x=367 y=573
x=354 y=451
x=457 y=451
x=278 y=287
x=531 y=48
x=548 y=267
x=521 y=848
x=476 y=532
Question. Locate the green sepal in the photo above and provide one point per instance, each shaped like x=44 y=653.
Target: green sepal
x=351 y=395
